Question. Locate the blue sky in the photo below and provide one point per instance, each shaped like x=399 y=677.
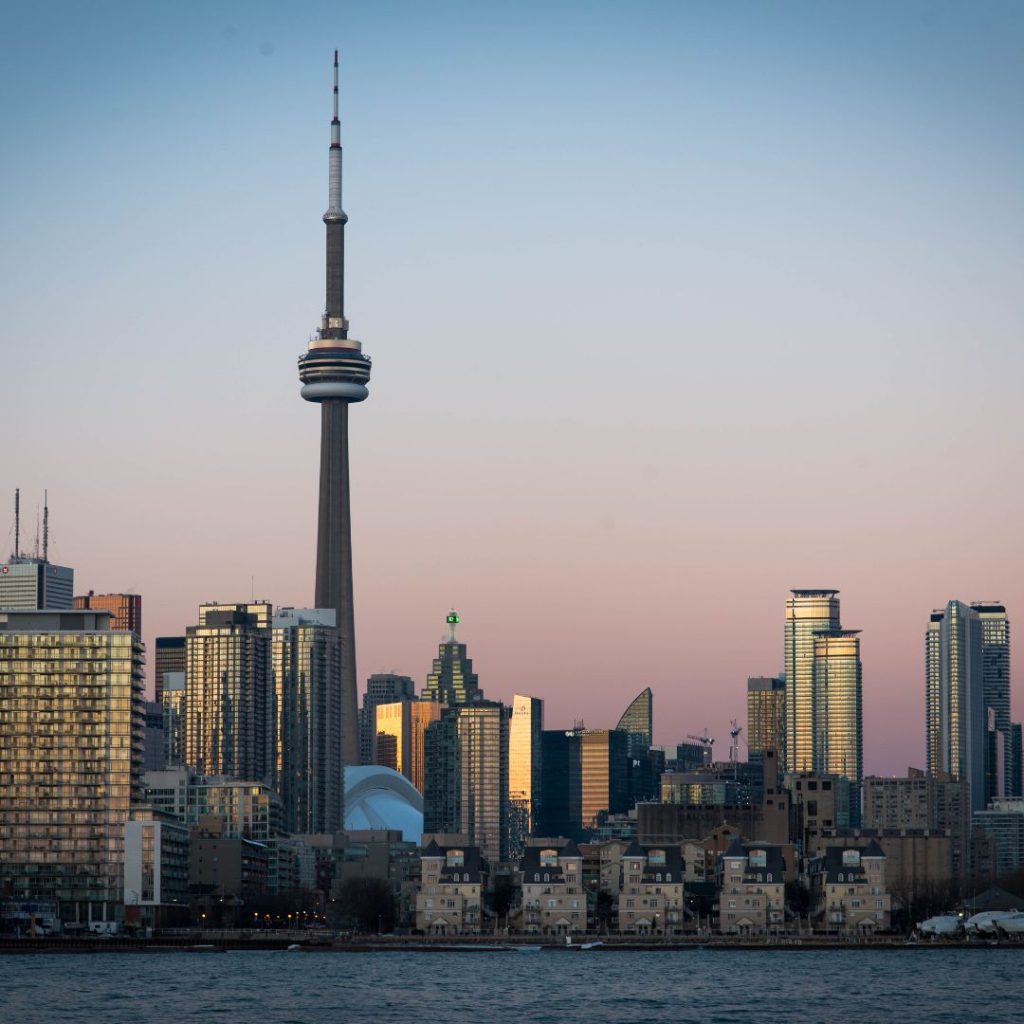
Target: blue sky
x=673 y=306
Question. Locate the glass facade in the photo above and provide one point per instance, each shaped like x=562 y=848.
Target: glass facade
x=172 y=700
x=228 y=696
x=452 y=680
x=125 y=609
x=808 y=612
x=28 y=583
x=524 y=770
x=638 y=719
x=381 y=688
x=766 y=715
x=955 y=700
x=170 y=657
x=483 y=730
x=837 y=682
x=308 y=766
x=71 y=735
x=401 y=735
x=995 y=668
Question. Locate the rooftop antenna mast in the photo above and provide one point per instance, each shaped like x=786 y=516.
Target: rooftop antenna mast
x=17 y=521
x=46 y=526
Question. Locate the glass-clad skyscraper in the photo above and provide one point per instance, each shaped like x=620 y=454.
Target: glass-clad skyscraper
x=524 y=770
x=452 y=679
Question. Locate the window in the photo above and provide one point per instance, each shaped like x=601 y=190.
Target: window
x=668 y=876
x=465 y=876
x=536 y=876
x=549 y=858
x=547 y=877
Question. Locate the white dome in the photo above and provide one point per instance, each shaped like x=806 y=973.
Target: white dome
x=378 y=797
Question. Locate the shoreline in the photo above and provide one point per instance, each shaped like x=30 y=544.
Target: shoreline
x=199 y=943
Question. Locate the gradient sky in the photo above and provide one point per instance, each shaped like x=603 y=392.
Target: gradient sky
x=672 y=307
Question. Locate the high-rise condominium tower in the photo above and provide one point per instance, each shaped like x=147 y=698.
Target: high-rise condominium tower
x=125 y=609
x=524 y=770
x=71 y=723
x=307 y=766
x=170 y=657
x=808 y=613
x=228 y=722
x=955 y=697
x=334 y=373
x=995 y=668
x=381 y=688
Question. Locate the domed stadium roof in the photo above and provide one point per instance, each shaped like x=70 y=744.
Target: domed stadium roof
x=378 y=797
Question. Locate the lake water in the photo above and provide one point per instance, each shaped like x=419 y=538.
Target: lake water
x=705 y=986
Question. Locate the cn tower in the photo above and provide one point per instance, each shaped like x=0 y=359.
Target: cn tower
x=334 y=372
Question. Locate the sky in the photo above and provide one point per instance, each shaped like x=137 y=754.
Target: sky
x=672 y=307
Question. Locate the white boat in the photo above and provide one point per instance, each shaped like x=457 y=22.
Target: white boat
x=986 y=922
x=944 y=924
x=1012 y=925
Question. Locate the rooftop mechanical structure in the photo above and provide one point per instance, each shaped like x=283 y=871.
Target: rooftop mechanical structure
x=334 y=373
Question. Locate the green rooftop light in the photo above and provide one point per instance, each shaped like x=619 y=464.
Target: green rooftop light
x=453 y=618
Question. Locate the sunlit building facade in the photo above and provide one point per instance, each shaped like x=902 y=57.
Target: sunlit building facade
x=71 y=735
x=125 y=609
x=452 y=680
x=169 y=657
x=30 y=583
x=837 y=683
x=808 y=612
x=229 y=720
x=766 y=715
x=524 y=770
x=955 y=699
x=401 y=736
x=638 y=720
x=172 y=700
x=483 y=777
x=308 y=768
x=381 y=688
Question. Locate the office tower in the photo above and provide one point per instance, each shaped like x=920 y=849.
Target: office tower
x=638 y=719
x=32 y=582
x=955 y=699
x=524 y=770
x=334 y=373
x=691 y=756
x=170 y=657
x=154 y=743
x=400 y=736
x=766 y=715
x=442 y=794
x=452 y=679
x=307 y=762
x=586 y=776
x=228 y=719
x=995 y=662
x=839 y=715
x=71 y=725
x=172 y=700
x=125 y=609
x=808 y=612
x=381 y=688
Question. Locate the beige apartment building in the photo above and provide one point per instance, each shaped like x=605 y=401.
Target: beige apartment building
x=449 y=898
x=554 y=900
x=752 y=900
x=650 y=897
x=851 y=887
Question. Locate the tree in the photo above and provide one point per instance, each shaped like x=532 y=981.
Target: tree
x=368 y=904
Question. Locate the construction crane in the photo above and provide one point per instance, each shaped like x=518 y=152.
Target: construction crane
x=706 y=741
x=734 y=747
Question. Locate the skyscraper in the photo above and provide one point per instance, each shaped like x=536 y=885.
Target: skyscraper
x=334 y=373
x=307 y=766
x=837 y=684
x=71 y=725
x=995 y=668
x=405 y=723
x=31 y=582
x=381 y=688
x=808 y=612
x=766 y=715
x=955 y=698
x=229 y=724
x=524 y=770
x=125 y=609
x=452 y=680
x=638 y=719
x=170 y=657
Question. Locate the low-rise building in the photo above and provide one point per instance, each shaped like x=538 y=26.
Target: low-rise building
x=451 y=884
x=752 y=898
x=650 y=897
x=156 y=871
x=850 y=885
x=554 y=900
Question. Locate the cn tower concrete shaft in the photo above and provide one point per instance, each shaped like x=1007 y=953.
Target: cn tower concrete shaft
x=334 y=558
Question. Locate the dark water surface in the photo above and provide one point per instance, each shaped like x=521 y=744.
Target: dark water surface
x=985 y=985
